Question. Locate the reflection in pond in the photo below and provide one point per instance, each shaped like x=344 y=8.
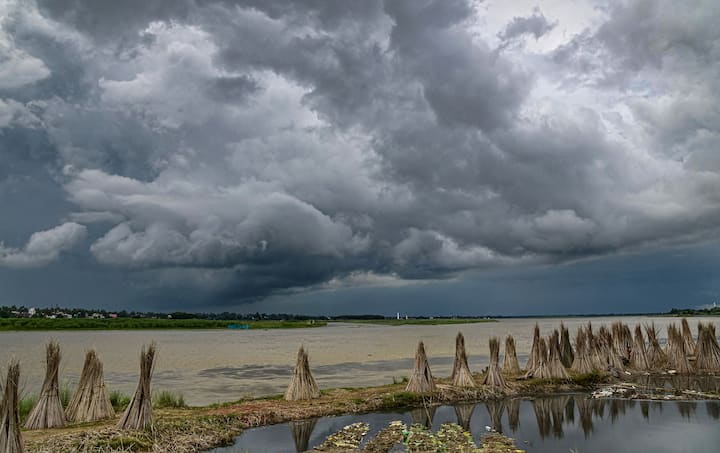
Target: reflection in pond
x=547 y=424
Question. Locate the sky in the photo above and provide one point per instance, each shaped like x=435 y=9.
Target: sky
x=379 y=156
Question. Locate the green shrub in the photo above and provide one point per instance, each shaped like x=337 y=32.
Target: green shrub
x=119 y=401
x=25 y=405
x=167 y=398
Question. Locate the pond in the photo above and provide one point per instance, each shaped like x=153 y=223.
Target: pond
x=563 y=423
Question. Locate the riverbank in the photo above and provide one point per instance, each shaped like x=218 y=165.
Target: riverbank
x=198 y=429
x=41 y=324
x=417 y=321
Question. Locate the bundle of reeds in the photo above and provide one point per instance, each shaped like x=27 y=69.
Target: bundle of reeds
x=607 y=351
x=463 y=413
x=655 y=354
x=461 y=375
x=302 y=384
x=301 y=432
x=91 y=401
x=622 y=340
x=138 y=414
x=638 y=355
x=676 y=354
x=534 y=358
x=567 y=356
x=707 y=352
x=10 y=437
x=493 y=377
x=541 y=371
x=555 y=367
x=48 y=411
x=421 y=379
x=510 y=363
x=687 y=336
x=583 y=363
x=595 y=353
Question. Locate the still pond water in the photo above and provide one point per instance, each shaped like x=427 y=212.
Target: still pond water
x=567 y=423
x=210 y=366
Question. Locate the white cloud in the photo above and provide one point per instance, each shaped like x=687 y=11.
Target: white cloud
x=43 y=247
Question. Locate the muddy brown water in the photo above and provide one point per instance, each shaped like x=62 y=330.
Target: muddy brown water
x=210 y=366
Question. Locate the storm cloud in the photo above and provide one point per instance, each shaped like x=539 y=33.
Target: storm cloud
x=245 y=149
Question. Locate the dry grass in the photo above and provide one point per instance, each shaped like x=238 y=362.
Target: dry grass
x=583 y=362
x=567 y=355
x=534 y=357
x=657 y=359
x=555 y=367
x=494 y=377
x=638 y=356
x=91 y=401
x=10 y=437
x=461 y=376
x=302 y=384
x=48 y=411
x=707 y=351
x=676 y=354
x=421 y=380
x=510 y=363
x=138 y=414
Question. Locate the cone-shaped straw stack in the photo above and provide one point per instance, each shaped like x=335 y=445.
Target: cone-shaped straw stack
x=461 y=375
x=567 y=356
x=421 y=380
x=656 y=356
x=638 y=355
x=583 y=362
x=493 y=377
x=302 y=384
x=510 y=363
x=534 y=358
x=687 y=336
x=707 y=352
x=555 y=367
x=676 y=354
x=541 y=371
x=91 y=401
x=138 y=414
x=10 y=439
x=48 y=411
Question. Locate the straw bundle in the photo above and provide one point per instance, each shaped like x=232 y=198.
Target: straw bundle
x=48 y=411
x=10 y=438
x=138 y=414
x=687 y=336
x=638 y=355
x=622 y=340
x=707 y=352
x=464 y=412
x=302 y=384
x=676 y=354
x=301 y=432
x=555 y=367
x=421 y=380
x=583 y=362
x=493 y=377
x=534 y=358
x=656 y=356
x=461 y=375
x=510 y=364
x=91 y=401
x=595 y=353
x=567 y=356
x=541 y=371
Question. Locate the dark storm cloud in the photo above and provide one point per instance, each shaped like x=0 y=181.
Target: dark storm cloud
x=234 y=150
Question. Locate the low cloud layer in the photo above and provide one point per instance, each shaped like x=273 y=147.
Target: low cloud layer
x=251 y=148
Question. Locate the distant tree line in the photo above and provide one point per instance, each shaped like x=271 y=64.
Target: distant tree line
x=711 y=311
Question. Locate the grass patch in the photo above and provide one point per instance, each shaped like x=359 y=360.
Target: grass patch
x=119 y=401
x=25 y=405
x=402 y=380
x=589 y=379
x=168 y=399
x=401 y=399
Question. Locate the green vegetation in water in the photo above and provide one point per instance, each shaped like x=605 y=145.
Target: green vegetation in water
x=144 y=323
x=418 y=321
x=168 y=399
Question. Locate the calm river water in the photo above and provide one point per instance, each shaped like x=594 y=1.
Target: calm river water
x=210 y=366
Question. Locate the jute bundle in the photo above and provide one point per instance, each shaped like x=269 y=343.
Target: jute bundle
x=555 y=367
x=302 y=384
x=655 y=354
x=567 y=356
x=510 y=363
x=493 y=377
x=707 y=351
x=676 y=354
x=582 y=363
x=612 y=359
x=687 y=336
x=638 y=355
x=91 y=401
x=48 y=411
x=138 y=414
x=10 y=437
x=622 y=340
x=597 y=360
x=541 y=371
x=461 y=375
x=421 y=379
x=534 y=358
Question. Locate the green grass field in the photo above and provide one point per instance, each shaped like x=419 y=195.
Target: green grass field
x=143 y=323
x=419 y=322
